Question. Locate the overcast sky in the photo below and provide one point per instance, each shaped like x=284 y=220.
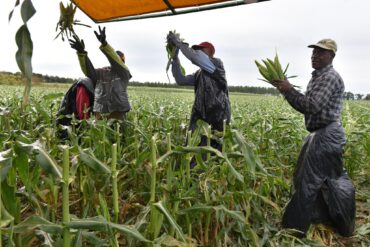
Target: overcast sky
x=240 y=35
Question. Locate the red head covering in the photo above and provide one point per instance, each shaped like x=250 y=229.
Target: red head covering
x=204 y=45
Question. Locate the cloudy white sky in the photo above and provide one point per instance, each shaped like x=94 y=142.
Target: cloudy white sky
x=240 y=34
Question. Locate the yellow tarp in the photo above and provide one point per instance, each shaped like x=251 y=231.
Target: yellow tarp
x=105 y=10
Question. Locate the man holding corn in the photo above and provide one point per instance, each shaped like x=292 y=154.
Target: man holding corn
x=323 y=192
x=111 y=98
x=211 y=103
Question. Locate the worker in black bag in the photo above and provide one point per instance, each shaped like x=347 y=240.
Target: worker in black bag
x=77 y=103
x=211 y=103
x=323 y=192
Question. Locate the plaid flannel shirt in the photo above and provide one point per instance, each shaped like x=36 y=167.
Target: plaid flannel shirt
x=322 y=102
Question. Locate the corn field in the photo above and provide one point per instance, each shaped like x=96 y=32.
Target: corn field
x=130 y=184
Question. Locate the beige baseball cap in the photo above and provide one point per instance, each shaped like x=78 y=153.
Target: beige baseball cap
x=327 y=44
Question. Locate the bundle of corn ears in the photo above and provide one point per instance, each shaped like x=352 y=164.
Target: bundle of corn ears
x=272 y=70
x=171 y=52
x=66 y=21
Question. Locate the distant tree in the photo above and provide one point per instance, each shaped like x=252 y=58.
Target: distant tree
x=367 y=97
x=359 y=96
x=349 y=96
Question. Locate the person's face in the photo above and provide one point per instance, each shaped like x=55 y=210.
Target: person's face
x=321 y=58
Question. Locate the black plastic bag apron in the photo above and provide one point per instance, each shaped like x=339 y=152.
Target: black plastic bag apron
x=323 y=192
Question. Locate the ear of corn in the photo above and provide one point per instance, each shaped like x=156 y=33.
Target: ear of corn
x=67 y=21
x=171 y=52
x=263 y=71
x=271 y=70
x=278 y=66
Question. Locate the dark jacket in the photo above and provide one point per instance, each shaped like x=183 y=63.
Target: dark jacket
x=211 y=102
x=67 y=107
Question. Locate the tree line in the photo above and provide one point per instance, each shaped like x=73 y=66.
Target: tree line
x=9 y=78
x=17 y=78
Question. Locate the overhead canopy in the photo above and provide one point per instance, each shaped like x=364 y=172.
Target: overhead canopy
x=120 y=10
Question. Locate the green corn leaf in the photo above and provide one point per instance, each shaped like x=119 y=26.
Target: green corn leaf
x=247 y=153
x=286 y=69
x=278 y=67
x=99 y=223
x=52 y=96
x=23 y=57
x=197 y=208
x=6 y=163
x=24 y=52
x=129 y=231
x=90 y=160
x=237 y=215
x=27 y=10
x=11 y=12
x=47 y=162
x=6 y=217
x=36 y=222
x=42 y=158
x=233 y=171
x=267 y=201
x=162 y=208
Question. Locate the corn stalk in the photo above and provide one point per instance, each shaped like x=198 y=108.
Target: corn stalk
x=65 y=198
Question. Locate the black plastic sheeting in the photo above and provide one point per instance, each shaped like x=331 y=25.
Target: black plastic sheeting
x=323 y=192
x=211 y=103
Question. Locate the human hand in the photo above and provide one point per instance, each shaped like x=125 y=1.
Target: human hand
x=101 y=36
x=77 y=44
x=173 y=39
x=283 y=85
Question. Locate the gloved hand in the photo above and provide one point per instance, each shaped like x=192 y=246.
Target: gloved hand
x=173 y=39
x=77 y=44
x=101 y=36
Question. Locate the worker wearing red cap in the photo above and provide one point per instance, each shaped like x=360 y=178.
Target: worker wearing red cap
x=211 y=103
x=110 y=94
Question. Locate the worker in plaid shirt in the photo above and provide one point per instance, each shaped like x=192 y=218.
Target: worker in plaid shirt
x=322 y=192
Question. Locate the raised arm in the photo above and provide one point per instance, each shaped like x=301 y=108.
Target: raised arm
x=315 y=100
x=180 y=78
x=197 y=57
x=115 y=61
x=85 y=63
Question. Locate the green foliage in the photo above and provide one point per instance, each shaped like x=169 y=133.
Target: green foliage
x=233 y=198
x=8 y=78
